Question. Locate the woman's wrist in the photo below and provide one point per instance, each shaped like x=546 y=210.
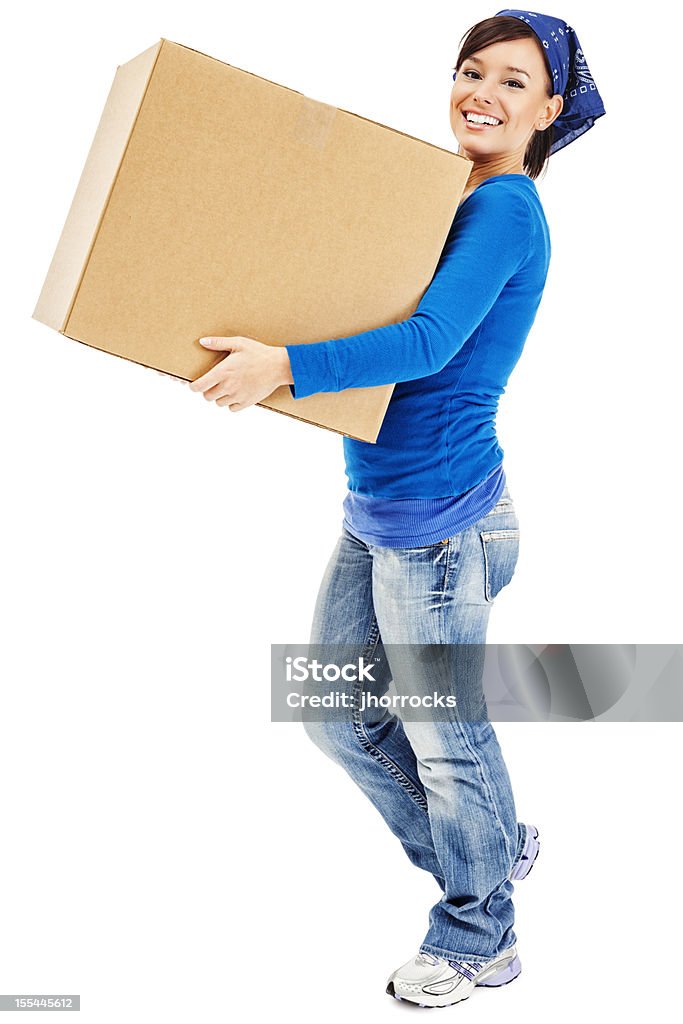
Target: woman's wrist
x=284 y=366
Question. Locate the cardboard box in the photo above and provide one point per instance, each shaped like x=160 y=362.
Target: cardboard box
x=216 y=202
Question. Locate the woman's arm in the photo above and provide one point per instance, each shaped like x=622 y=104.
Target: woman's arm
x=489 y=240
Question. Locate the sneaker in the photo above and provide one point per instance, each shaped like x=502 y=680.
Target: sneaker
x=430 y=980
x=529 y=854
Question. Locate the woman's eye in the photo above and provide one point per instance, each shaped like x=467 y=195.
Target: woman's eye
x=471 y=71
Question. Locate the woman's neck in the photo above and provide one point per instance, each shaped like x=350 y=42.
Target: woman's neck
x=481 y=171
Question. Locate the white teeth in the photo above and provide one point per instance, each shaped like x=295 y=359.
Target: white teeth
x=481 y=119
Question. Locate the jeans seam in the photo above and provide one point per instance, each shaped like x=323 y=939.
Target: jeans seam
x=376 y=752
x=447 y=581
x=485 y=782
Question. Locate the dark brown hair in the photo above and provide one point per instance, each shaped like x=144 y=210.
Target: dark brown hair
x=499 y=30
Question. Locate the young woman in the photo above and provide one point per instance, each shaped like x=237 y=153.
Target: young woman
x=430 y=533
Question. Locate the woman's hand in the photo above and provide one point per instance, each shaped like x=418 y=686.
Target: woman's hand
x=249 y=373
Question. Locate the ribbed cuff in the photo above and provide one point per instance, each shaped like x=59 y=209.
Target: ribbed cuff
x=313 y=368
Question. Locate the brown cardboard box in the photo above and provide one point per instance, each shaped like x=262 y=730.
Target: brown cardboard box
x=215 y=202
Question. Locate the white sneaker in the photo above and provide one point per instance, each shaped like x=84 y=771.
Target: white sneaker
x=430 y=980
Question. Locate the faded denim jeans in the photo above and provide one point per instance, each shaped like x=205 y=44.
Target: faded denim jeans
x=442 y=787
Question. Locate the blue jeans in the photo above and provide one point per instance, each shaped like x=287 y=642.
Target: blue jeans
x=442 y=787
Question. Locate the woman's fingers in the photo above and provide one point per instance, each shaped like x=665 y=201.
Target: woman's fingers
x=232 y=405
x=211 y=378
x=219 y=391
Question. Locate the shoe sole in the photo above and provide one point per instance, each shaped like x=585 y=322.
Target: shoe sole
x=502 y=977
x=529 y=854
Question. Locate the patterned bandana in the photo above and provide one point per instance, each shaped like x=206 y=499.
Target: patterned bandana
x=571 y=77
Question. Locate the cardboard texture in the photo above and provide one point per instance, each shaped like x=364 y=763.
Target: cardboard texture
x=216 y=202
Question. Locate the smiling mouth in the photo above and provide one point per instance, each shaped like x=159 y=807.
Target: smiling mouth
x=479 y=124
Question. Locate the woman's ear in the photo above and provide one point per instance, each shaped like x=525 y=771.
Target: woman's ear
x=553 y=109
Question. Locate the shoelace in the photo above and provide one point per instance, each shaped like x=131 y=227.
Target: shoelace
x=467 y=968
x=427 y=958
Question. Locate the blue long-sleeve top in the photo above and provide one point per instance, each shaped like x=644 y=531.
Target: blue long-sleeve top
x=451 y=359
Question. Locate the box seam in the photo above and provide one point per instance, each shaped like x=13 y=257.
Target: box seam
x=105 y=207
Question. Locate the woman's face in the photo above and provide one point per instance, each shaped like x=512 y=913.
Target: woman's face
x=517 y=99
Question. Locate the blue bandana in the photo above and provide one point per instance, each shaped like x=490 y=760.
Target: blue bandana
x=571 y=77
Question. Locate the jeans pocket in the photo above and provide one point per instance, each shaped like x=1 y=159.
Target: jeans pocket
x=501 y=550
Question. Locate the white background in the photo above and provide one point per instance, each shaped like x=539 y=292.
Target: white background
x=166 y=851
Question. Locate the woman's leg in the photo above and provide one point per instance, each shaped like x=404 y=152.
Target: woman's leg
x=370 y=745
x=442 y=595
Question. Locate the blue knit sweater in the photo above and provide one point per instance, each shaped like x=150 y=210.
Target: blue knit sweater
x=451 y=359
